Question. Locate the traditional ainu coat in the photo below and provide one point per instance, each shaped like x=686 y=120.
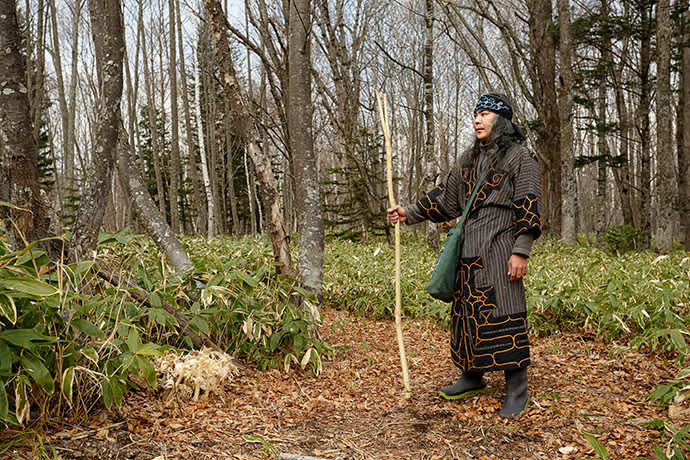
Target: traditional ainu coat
x=489 y=312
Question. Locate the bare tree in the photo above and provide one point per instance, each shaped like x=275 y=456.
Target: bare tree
x=67 y=100
x=174 y=170
x=431 y=166
x=152 y=115
x=664 y=133
x=642 y=117
x=623 y=174
x=197 y=196
x=210 y=199
x=262 y=164
x=568 y=186
x=683 y=127
x=26 y=218
x=543 y=60
x=108 y=36
x=147 y=212
x=308 y=193
x=531 y=68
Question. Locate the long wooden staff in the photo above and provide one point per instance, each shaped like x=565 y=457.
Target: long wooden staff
x=391 y=198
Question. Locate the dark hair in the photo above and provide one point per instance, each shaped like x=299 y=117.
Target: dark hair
x=503 y=133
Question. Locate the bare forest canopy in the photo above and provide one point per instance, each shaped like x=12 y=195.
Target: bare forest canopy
x=599 y=88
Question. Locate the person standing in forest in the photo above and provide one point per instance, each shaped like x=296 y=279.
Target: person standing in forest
x=489 y=311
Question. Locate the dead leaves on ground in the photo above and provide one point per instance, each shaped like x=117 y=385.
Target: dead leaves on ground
x=356 y=408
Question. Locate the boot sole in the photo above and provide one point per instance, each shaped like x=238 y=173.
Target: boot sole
x=463 y=395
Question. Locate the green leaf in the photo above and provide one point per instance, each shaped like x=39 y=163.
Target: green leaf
x=147 y=370
x=274 y=341
x=4 y=405
x=596 y=445
x=122 y=236
x=155 y=300
x=37 y=370
x=119 y=389
x=678 y=340
x=256 y=438
x=107 y=392
x=83 y=267
x=306 y=294
x=200 y=324
x=149 y=349
x=655 y=424
x=67 y=380
x=88 y=328
x=661 y=391
x=660 y=454
x=247 y=279
x=133 y=340
x=298 y=341
x=25 y=338
x=29 y=254
x=6 y=358
x=31 y=287
x=7 y=307
x=90 y=354
x=162 y=317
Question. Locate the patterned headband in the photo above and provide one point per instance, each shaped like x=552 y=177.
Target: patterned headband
x=497 y=103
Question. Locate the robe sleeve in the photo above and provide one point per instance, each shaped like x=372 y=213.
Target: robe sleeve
x=440 y=204
x=523 y=244
x=527 y=196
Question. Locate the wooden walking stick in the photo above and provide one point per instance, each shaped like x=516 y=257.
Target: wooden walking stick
x=383 y=111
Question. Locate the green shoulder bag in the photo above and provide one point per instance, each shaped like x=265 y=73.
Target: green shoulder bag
x=442 y=284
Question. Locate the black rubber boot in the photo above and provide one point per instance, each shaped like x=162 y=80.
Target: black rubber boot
x=469 y=383
x=516 y=393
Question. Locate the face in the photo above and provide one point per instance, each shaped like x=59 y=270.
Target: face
x=483 y=121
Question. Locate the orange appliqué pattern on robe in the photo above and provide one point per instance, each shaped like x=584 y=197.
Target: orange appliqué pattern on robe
x=480 y=341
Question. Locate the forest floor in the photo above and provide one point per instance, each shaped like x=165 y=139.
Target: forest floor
x=356 y=408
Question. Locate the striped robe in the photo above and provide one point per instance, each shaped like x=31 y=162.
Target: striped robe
x=489 y=312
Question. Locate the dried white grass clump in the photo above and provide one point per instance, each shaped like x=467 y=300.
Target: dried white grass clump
x=187 y=375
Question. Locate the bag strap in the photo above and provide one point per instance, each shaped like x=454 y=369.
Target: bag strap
x=477 y=186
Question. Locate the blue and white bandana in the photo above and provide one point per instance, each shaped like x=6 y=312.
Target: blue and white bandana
x=497 y=103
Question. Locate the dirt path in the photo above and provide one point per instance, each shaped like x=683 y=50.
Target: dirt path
x=355 y=409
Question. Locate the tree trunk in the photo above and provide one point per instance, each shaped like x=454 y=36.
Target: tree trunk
x=542 y=49
x=67 y=109
x=19 y=186
x=191 y=163
x=230 y=176
x=665 y=161
x=262 y=163
x=174 y=166
x=643 y=120
x=308 y=192
x=153 y=119
x=108 y=37
x=147 y=212
x=683 y=127
x=70 y=138
x=568 y=186
x=604 y=155
x=622 y=174
x=210 y=224
x=430 y=160
x=38 y=93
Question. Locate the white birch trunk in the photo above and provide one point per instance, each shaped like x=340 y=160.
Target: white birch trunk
x=211 y=225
